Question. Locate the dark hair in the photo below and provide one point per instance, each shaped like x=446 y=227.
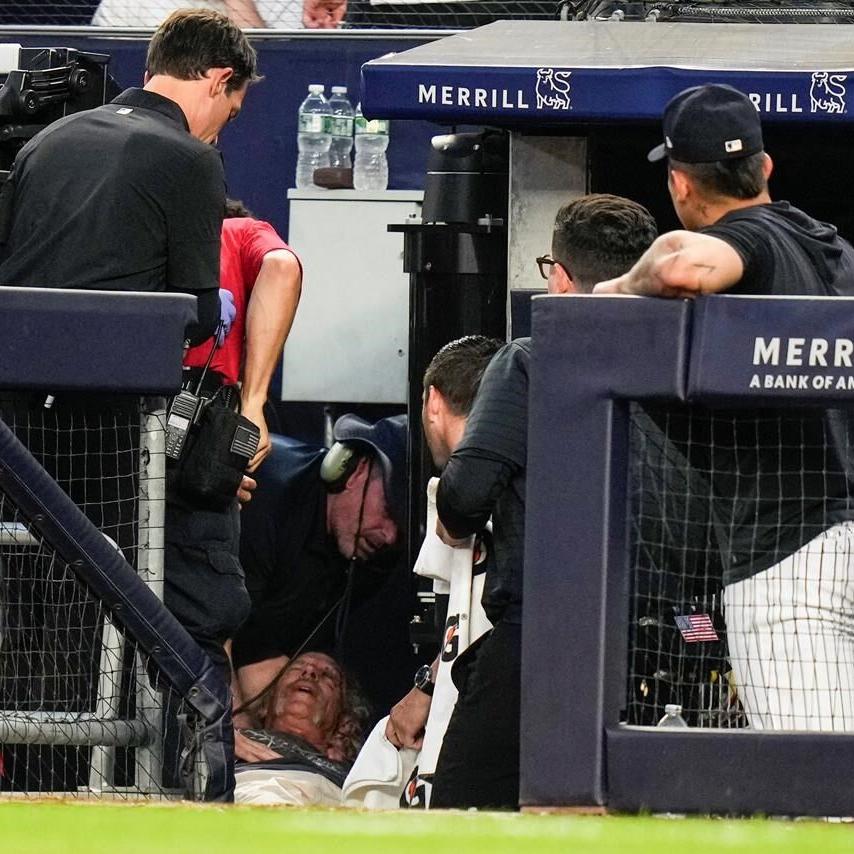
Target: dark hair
x=351 y=729
x=740 y=178
x=457 y=369
x=235 y=209
x=600 y=236
x=192 y=41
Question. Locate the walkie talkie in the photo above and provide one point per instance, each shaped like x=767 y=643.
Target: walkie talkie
x=182 y=415
x=185 y=409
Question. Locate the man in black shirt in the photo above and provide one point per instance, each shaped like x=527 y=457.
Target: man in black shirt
x=485 y=476
x=130 y=196
x=314 y=515
x=781 y=481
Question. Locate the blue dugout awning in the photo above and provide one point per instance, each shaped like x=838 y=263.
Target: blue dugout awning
x=544 y=73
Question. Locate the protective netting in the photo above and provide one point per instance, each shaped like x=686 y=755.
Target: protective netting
x=452 y=14
x=741 y=568
x=282 y=14
x=81 y=710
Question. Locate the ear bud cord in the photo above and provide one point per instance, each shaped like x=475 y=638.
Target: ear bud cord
x=341 y=606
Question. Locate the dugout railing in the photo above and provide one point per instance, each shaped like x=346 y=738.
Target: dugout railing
x=595 y=360
x=102 y=692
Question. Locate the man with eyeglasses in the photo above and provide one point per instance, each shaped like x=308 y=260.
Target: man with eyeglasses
x=485 y=477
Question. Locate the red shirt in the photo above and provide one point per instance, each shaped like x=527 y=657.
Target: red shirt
x=245 y=242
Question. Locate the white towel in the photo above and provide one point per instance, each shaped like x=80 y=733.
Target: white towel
x=379 y=773
x=466 y=622
x=435 y=559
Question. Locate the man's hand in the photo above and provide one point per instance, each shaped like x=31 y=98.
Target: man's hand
x=252 y=751
x=244 y=491
x=323 y=14
x=255 y=413
x=227 y=313
x=448 y=540
x=406 y=721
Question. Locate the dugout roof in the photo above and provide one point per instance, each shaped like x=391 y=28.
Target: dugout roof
x=545 y=73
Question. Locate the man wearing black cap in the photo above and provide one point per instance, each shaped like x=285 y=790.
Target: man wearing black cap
x=314 y=513
x=780 y=481
x=737 y=239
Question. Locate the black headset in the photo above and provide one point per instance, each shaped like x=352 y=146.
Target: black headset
x=338 y=464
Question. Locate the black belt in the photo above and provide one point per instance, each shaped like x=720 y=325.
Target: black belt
x=212 y=384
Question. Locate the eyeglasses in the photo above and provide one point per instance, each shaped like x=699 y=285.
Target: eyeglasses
x=545 y=263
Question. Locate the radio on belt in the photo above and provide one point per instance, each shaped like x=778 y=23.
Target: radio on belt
x=183 y=414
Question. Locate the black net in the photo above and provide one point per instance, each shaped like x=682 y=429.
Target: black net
x=386 y=14
x=741 y=572
x=282 y=14
x=81 y=710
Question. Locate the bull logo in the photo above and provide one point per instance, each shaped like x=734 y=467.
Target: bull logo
x=827 y=92
x=553 y=89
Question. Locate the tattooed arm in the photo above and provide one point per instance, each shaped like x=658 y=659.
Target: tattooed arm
x=680 y=264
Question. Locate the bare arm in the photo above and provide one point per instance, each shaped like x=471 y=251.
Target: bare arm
x=244 y=13
x=323 y=14
x=680 y=264
x=269 y=317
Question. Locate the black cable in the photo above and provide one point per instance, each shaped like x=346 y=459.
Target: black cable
x=344 y=611
x=341 y=606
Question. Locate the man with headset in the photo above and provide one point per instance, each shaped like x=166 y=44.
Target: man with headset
x=314 y=514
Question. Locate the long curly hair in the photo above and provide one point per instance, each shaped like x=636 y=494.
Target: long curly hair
x=350 y=732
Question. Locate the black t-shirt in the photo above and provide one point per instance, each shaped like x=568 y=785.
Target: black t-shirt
x=121 y=197
x=779 y=477
x=785 y=252
x=294 y=571
x=485 y=476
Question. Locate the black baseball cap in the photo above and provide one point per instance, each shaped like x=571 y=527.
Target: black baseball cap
x=386 y=440
x=709 y=123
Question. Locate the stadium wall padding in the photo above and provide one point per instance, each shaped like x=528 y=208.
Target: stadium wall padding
x=590 y=356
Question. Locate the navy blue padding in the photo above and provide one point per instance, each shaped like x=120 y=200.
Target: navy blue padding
x=705 y=771
x=110 y=578
x=725 y=359
x=54 y=339
x=590 y=356
x=520 y=310
x=586 y=352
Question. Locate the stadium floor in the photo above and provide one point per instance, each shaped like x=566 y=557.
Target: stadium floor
x=146 y=828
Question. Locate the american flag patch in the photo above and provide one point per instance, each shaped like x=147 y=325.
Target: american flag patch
x=695 y=628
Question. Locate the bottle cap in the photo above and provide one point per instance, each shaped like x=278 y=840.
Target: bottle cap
x=316 y=88
x=339 y=90
x=673 y=709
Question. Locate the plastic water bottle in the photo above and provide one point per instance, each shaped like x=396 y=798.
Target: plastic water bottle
x=672 y=717
x=342 y=128
x=313 y=135
x=370 y=167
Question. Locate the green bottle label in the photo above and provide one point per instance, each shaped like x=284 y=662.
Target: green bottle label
x=363 y=125
x=312 y=123
x=342 y=126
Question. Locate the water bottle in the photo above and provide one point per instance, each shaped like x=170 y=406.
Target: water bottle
x=313 y=135
x=342 y=128
x=370 y=167
x=672 y=717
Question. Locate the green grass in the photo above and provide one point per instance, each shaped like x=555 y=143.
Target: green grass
x=151 y=829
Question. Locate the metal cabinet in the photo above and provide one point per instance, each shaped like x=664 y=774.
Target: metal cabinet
x=350 y=338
